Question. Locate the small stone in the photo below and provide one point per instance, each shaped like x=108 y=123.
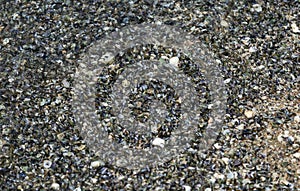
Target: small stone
x=6 y=131
x=246 y=181
x=106 y=28
x=295 y=28
x=240 y=127
x=226 y=160
x=227 y=81
x=94 y=180
x=1 y=144
x=125 y=83
x=164 y=57
x=291 y=139
x=297 y=118
x=104 y=104
x=219 y=176
x=5 y=41
x=187 y=188
x=226 y=132
x=15 y=16
x=279 y=138
x=230 y=175
x=252 y=49
x=212 y=180
x=245 y=40
x=192 y=150
x=296 y=155
x=77 y=189
x=27 y=99
x=158 y=22
x=43 y=102
x=257 y=7
x=55 y=186
x=47 y=164
x=66 y=83
x=264 y=97
x=158 y=142
x=81 y=147
x=210 y=120
x=249 y=113
x=207 y=189
x=174 y=61
x=284 y=181
x=224 y=23
x=260 y=67
x=2 y=107
x=57 y=101
x=60 y=136
x=121 y=178
x=217 y=146
x=210 y=106
x=107 y=57
x=97 y=163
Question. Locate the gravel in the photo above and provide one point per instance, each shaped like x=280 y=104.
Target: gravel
x=256 y=44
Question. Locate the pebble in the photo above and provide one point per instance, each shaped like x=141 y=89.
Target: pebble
x=246 y=181
x=1 y=143
x=296 y=155
x=5 y=41
x=230 y=175
x=97 y=163
x=66 y=83
x=257 y=7
x=249 y=113
x=158 y=142
x=187 y=188
x=240 y=127
x=174 y=61
x=252 y=49
x=107 y=57
x=219 y=176
x=246 y=40
x=227 y=81
x=226 y=160
x=279 y=138
x=2 y=107
x=295 y=28
x=260 y=67
x=291 y=139
x=125 y=83
x=47 y=164
x=297 y=118
x=55 y=186
x=217 y=146
x=224 y=23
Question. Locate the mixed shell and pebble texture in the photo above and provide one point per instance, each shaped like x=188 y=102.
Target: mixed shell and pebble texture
x=255 y=43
